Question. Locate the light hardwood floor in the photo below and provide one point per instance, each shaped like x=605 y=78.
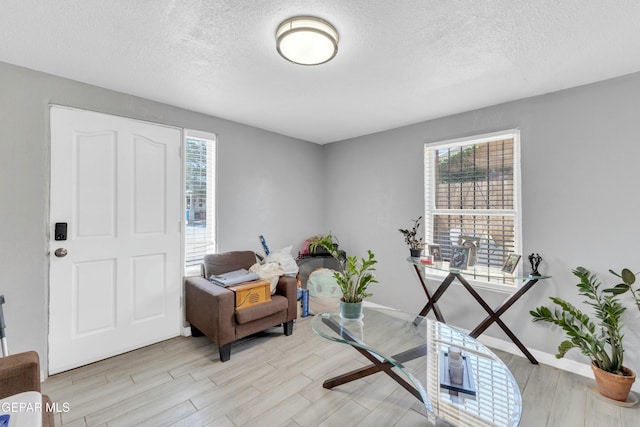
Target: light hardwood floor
x=273 y=380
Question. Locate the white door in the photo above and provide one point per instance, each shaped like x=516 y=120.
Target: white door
x=116 y=183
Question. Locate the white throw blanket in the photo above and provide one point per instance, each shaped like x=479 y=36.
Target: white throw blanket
x=269 y=271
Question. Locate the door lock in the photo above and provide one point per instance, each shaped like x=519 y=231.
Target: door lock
x=60 y=232
x=60 y=252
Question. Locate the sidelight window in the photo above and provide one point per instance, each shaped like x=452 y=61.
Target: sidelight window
x=199 y=204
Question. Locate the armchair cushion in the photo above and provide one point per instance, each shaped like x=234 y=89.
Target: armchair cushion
x=260 y=311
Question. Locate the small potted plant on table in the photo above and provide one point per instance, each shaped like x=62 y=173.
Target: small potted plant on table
x=416 y=244
x=353 y=280
x=601 y=342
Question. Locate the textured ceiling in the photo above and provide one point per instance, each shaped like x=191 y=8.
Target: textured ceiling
x=399 y=62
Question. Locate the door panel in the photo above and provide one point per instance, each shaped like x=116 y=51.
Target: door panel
x=94 y=288
x=94 y=165
x=116 y=182
x=150 y=186
x=148 y=285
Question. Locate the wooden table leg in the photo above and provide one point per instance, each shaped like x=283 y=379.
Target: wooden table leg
x=379 y=364
x=504 y=307
x=494 y=316
x=431 y=300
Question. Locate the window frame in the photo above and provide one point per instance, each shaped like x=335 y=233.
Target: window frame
x=211 y=205
x=430 y=201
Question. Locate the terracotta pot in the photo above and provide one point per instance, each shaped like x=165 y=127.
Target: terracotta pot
x=614 y=386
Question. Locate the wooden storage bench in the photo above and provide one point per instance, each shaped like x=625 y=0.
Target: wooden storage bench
x=253 y=293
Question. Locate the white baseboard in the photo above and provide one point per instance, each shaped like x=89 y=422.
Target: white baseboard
x=583 y=369
x=573 y=366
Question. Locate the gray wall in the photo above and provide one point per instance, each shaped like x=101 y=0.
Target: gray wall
x=261 y=186
x=580 y=176
x=579 y=168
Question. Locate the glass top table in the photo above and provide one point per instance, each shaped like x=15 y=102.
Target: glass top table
x=476 y=272
x=414 y=352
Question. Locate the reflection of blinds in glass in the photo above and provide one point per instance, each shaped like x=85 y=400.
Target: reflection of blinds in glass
x=199 y=198
x=497 y=401
x=471 y=190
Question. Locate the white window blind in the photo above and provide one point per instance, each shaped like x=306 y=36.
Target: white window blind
x=472 y=190
x=199 y=198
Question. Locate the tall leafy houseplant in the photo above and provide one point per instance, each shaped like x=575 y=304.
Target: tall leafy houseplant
x=628 y=279
x=356 y=275
x=601 y=342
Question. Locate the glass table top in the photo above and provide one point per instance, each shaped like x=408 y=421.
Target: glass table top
x=476 y=271
x=417 y=347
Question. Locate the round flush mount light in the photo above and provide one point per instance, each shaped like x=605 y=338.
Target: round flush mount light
x=307 y=40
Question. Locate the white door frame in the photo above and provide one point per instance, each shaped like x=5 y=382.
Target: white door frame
x=117 y=182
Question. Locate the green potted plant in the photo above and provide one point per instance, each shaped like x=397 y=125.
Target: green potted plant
x=353 y=279
x=416 y=244
x=316 y=249
x=628 y=279
x=601 y=342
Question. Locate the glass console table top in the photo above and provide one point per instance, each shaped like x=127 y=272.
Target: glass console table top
x=416 y=347
x=478 y=272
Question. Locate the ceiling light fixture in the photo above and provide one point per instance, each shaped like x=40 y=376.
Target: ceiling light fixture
x=307 y=40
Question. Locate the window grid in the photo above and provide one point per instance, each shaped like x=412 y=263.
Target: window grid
x=199 y=200
x=471 y=189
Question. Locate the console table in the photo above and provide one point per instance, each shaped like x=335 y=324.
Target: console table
x=481 y=273
x=414 y=355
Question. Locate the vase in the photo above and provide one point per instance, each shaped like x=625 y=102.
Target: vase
x=350 y=310
x=614 y=386
x=416 y=253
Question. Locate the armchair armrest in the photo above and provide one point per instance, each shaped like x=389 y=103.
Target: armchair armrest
x=210 y=308
x=19 y=373
x=288 y=287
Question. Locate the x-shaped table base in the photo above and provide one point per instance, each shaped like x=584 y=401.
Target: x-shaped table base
x=494 y=316
x=377 y=366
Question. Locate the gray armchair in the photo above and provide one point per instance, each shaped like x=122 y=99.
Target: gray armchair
x=210 y=309
x=21 y=372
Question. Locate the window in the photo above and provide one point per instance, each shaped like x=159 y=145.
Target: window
x=199 y=202
x=472 y=189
